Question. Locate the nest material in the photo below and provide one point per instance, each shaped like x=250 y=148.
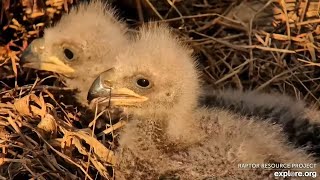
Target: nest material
x=261 y=45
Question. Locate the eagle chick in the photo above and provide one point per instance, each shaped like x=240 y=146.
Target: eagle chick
x=79 y=45
x=167 y=135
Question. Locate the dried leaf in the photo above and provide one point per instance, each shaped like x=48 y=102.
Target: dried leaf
x=25 y=109
x=100 y=167
x=48 y=126
x=75 y=138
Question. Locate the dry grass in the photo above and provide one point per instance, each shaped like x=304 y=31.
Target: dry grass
x=260 y=45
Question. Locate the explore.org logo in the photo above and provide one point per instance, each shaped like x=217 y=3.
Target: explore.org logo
x=284 y=170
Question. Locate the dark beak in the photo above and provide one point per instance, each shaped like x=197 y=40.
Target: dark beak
x=97 y=89
x=102 y=88
x=33 y=57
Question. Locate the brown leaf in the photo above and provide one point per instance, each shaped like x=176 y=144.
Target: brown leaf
x=24 y=107
x=48 y=126
x=73 y=139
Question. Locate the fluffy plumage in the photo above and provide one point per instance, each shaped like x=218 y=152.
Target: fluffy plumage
x=80 y=46
x=280 y=109
x=168 y=135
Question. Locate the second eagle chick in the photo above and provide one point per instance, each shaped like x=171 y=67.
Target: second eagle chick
x=80 y=46
x=168 y=135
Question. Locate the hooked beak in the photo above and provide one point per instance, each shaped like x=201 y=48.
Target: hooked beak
x=102 y=88
x=33 y=58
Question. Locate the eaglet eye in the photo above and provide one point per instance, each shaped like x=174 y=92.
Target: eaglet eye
x=68 y=54
x=143 y=83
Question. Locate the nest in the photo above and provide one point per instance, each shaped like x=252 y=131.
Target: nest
x=258 y=45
